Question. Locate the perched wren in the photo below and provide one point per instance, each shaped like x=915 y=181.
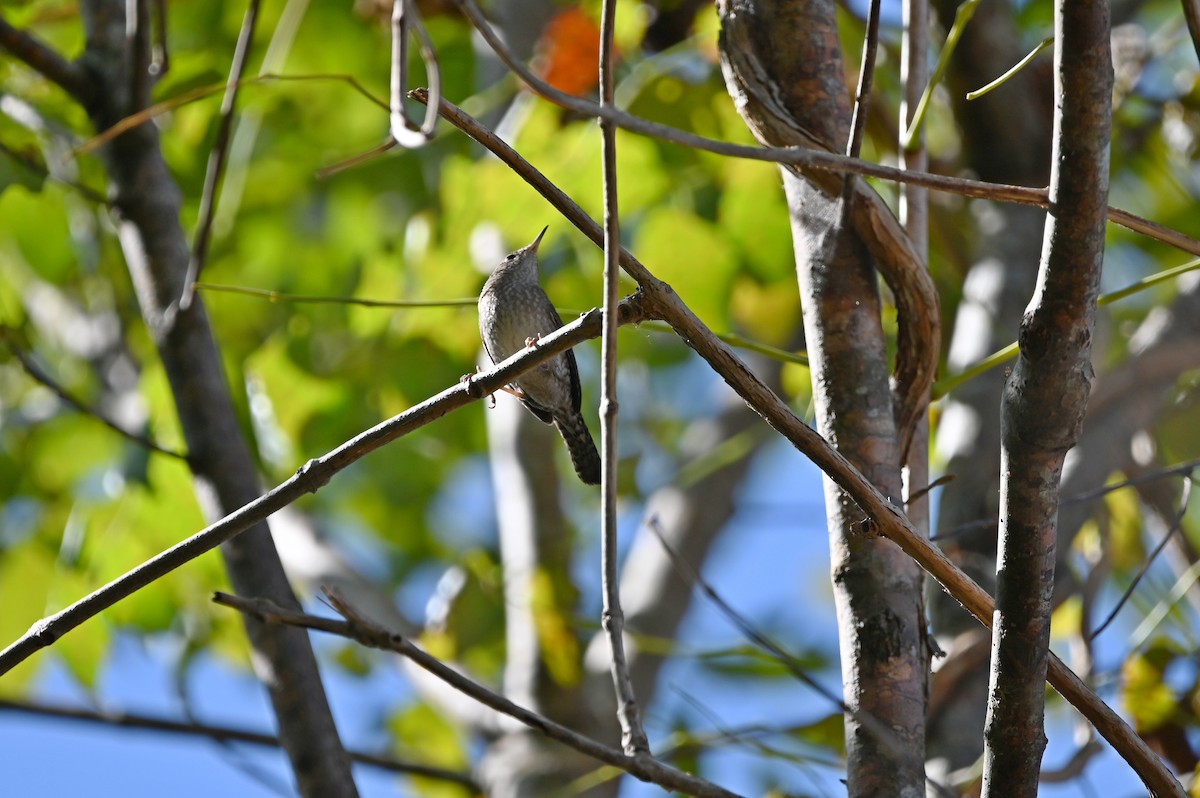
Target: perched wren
x=514 y=311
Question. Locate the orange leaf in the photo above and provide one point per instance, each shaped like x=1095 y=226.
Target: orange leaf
x=570 y=49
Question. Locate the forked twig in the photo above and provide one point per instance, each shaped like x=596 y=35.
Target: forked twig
x=362 y=630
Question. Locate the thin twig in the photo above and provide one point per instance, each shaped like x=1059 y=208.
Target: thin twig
x=33 y=370
x=862 y=96
x=280 y=296
x=188 y=97
x=1178 y=469
x=366 y=632
x=357 y=160
x=1010 y=73
x=46 y=61
x=1074 y=767
x=748 y=630
x=131 y=720
x=633 y=736
x=858 y=118
x=733 y=339
x=310 y=478
x=1008 y=352
x=219 y=154
x=731 y=736
x=433 y=69
x=1176 y=526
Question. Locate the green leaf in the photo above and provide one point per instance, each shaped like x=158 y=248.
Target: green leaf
x=26 y=572
x=694 y=257
x=1147 y=697
x=422 y=735
x=21 y=168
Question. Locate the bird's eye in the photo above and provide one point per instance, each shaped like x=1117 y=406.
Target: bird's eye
x=511 y=256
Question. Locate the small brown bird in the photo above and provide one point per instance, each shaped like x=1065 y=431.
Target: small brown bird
x=513 y=311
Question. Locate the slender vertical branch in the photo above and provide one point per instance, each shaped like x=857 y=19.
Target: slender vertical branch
x=862 y=95
x=1043 y=404
x=633 y=737
x=219 y=155
x=914 y=213
x=866 y=76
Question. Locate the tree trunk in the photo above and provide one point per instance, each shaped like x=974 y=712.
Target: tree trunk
x=783 y=66
x=1045 y=398
x=156 y=250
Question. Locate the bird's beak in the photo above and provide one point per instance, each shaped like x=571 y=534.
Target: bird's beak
x=537 y=241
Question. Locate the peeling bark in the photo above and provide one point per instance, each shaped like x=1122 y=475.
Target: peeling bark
x=771 y=76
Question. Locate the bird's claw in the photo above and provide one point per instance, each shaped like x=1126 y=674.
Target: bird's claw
x=473 y=388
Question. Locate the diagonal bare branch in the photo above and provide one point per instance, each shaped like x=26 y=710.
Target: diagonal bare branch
x=46 y=61
x=310 y=478
x=363 y=631
x=35 y=371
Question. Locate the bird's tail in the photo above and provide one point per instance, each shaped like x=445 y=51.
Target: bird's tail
x=579 y=442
